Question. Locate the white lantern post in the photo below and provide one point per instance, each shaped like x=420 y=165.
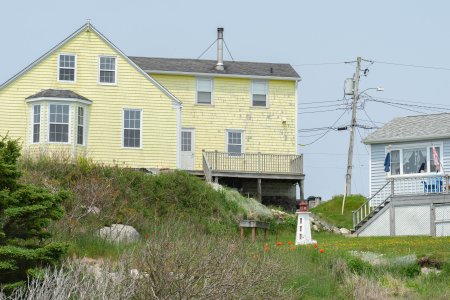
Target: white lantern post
x=303 y=235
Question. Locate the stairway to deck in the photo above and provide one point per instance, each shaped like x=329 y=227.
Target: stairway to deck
x=372 y=207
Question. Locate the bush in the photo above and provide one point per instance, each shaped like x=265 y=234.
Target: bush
x=26 y=212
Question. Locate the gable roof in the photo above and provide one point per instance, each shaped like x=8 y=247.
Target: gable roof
x=51 y=93
x=86 y=27
x=203 y=66
x=412 y=128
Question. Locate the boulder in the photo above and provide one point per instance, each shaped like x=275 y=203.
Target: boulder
x=336 y=230
x=345 y=231
x=119 y=233
x=315 y=228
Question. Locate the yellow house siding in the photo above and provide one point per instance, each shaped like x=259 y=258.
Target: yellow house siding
x=104 y=125
x=264 y=130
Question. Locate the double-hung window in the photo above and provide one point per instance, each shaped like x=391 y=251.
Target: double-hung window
x=259 y=93
x=416 y=160
x=80 y=126
x=132 y=128
x=67 y=67
x=107 y=70
x=59 y=123
x=204 y=90
x=234 y=142
x=36 y=123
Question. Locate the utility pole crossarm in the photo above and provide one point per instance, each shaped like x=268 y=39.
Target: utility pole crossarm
x=348 y=178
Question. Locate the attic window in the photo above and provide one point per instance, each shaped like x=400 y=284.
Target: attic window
x=259 y=93
x=107 y=70
x=67 y=67
x=204 y=90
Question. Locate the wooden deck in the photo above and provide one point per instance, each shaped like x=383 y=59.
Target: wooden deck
x=252 y=165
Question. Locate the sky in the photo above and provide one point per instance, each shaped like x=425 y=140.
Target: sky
x=316 y=37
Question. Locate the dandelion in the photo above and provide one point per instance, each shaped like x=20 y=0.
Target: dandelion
x=279 y=244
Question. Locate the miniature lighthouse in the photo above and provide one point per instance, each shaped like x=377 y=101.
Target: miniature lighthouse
x=303 y=235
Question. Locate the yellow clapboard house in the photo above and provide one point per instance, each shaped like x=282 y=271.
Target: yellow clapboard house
x=229 y=121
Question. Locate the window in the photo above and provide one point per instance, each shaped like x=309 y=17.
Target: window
x=186 y=140
x=415 y=160
x=107 y=69
x=204 y=91
x=234 y=142
x=67 y=64
x=395 y=162
x=59 y=123
x=132 y=128
x=80 y=126
x=259 y=93
x=36 y=123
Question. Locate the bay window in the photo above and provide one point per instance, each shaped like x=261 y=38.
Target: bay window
x=59 y=123
x=36 y=123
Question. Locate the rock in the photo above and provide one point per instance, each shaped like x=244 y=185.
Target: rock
x=336 y=230
x=315 y=228
x=345 y=231
x=119 y=233
x=93 y=210
x=216 y=186
x=427 y=271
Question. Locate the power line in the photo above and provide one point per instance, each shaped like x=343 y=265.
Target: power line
x=434 y=108
x=318 y=111
x=317 y=102
x=326 y=132
x=411 y=101
x=412 y=66
x=319 y=106
x=320 y=64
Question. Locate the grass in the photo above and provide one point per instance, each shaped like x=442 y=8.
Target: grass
x=331 y=211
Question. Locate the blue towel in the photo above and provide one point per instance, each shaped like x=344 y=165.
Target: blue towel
x=387 y=162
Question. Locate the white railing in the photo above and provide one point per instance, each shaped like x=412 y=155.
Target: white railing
x=421 y=184
x=206 y=168
x=254 y=162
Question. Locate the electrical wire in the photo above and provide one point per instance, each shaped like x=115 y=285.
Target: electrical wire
x=326 y=132
x=433 y=108
x=320 y=64
x=320 y=106
x=317 y=102
x=411 y=65
x=360 y=136
x=317 y=111
x=367 y=115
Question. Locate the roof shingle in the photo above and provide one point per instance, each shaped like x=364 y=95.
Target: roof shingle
x=51 y=93
x=208 y=67
x=412 y=128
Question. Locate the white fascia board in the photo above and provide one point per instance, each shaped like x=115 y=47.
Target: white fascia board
x=76 y=100
x=222 y=75
x=407 y=139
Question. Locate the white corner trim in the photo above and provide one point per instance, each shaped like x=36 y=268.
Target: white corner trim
x=178 y=137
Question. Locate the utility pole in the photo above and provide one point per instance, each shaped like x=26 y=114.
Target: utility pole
x=348 y=178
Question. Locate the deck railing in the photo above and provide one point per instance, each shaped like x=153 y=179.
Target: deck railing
x=206 y=168
x=420 y=184
x=254 y=162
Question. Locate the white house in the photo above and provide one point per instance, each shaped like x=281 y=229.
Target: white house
x=409 y=179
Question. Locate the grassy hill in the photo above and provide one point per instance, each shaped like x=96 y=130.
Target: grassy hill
x=331 y=211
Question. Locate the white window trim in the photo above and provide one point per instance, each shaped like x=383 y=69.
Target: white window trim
x=192 y=130
x=242 y=140
x=69 y=135
x=75 y=68
x=115 y=70
x=266 y=82
x=212 y=90
x=428 y=146
x=84 y=126
x=32 y=123
x=141 y=144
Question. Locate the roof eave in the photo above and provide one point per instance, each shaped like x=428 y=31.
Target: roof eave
x=369 y=141
x=222 y=75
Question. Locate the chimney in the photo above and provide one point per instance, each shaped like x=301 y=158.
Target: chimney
x=219 y=65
